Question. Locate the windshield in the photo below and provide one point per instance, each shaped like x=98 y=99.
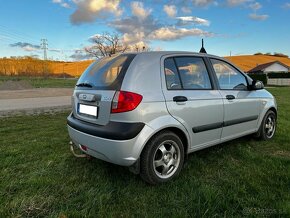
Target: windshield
x=106 y=73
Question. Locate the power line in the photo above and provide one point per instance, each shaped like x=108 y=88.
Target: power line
x=44 y=45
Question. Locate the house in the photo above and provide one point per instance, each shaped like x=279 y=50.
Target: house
x=275 y=66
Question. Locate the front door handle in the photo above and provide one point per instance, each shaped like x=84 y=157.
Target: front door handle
x=230 y=97
x=180 y=98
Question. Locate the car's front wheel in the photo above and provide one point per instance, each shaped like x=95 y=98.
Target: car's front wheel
x=268 y=126
x=162 y=158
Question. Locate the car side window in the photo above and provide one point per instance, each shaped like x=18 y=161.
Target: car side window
x=229 y=78
x=193 y=73
x=171 y=74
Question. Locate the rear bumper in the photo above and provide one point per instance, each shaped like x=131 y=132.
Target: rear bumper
x=113 y=130
x=123 y=152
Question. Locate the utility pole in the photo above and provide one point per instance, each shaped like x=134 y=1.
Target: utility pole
x=44 y=47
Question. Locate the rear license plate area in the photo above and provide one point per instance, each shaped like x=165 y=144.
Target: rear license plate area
x=88 y=110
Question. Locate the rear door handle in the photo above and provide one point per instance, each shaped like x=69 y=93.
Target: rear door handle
x=230 y=97
x=180 y=98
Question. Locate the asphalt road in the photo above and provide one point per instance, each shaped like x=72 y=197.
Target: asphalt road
x=34 y=101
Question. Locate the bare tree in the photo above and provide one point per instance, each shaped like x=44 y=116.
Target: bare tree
x=106 y=44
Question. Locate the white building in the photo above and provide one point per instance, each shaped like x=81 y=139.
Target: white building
x=275 y=66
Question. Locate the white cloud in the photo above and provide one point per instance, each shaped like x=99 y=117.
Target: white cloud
x=186 y=10
x=61 y=3
x=90 y=10
x=287 y=5
x=134 y=29
x=139 y=11
x=259 y=17
x=234 y=3
x=133 y=38
x=196 y=20
x=170 y=10
x=255 y=6
x=173 y=33
x=202 y=3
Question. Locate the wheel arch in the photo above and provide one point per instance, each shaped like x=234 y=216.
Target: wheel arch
x=180 y=133
x=274 y=110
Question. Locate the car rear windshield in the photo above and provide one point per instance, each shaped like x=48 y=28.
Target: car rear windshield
x=106 y=73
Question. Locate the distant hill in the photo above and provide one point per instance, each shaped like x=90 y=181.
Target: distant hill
x=35 y=67
x=27 y=66
x=247 y=62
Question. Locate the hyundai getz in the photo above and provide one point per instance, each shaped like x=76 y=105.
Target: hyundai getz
x=149 y=110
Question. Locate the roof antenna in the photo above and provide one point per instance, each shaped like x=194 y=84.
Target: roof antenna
x=202 y=50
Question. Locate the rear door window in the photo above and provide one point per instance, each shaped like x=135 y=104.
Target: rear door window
x=188 y=73
x=106 y=73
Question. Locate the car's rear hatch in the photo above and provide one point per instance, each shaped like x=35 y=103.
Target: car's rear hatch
x=95 y=90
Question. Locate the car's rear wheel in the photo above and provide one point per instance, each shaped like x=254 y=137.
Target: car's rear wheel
x=268 y=126
x=162 y=158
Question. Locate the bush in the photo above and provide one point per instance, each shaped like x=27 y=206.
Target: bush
x=260 y=77
x=278 y=75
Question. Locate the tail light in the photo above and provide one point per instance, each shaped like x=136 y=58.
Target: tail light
x=125 y=101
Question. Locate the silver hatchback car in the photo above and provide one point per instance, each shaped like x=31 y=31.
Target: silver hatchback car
x=149 y=110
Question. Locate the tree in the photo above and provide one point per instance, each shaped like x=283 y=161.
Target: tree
x=280 y=55
x=106 y=44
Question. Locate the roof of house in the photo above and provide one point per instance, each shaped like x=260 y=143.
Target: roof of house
x=264 y=66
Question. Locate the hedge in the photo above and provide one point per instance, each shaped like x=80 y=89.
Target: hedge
x=278 y=75
x=260 y=77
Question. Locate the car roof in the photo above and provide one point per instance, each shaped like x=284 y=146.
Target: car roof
x=164 y=53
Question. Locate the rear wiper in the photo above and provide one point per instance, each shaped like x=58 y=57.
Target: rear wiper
x=84 y=85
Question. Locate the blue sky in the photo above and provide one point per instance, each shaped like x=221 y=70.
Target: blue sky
x=236 y=26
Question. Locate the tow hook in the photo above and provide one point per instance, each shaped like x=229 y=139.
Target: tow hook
x=72 y=149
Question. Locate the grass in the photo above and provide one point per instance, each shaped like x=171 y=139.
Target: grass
x=40 y=82
x=39 y=176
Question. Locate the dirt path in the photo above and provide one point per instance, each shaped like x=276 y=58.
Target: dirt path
x=34 y=101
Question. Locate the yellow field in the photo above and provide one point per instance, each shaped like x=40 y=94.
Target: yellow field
x=248 y=62
x=34 y=67
x=72 y=68
x=244 y=62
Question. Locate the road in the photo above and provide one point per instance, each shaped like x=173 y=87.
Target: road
x=34 y=101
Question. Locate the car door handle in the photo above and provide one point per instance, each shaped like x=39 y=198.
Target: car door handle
x=230 y=97
x=180 y=98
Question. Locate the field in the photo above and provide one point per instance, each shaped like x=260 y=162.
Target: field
x=40 y=177
x=35 y=67
x=248 y=62
x=72 y=68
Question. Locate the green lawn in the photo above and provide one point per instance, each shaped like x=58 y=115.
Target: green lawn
x=40 y=82
x=40 y=177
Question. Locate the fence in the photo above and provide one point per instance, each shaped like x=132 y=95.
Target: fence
x=279 y=81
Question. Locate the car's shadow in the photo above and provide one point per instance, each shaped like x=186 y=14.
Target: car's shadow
x=121 y=176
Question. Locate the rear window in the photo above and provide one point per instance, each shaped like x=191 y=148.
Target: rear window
x=106 y=73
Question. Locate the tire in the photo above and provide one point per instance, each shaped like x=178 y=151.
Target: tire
x=162 y=158
x=268 y=126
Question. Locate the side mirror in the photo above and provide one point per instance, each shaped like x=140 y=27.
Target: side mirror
x=257 y=85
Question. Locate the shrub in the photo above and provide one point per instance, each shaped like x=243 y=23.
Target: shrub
x=260 y=77
x=278 y=75
x=280 y=55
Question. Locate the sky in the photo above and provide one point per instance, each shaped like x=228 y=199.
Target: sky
x=233 y=27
